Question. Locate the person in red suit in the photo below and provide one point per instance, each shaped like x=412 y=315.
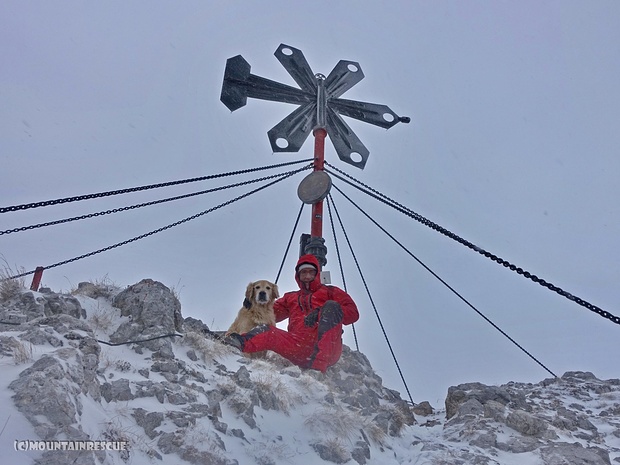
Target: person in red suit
x=316 y=314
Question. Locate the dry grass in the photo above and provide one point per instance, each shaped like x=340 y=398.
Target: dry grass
x=102 y=319
x=102 y=287
x=334 y=451
x=118 y=428
x=397 y=418
x=309 y=383
x=22 y=352
x=334 y=421
x=397 y=422
x=240 y=401
x=202 y=445
x=374 y=432
x=271 y=383
x=269 y=453
x=208 y=349
x=278 y=362
x=176 y=290
x=10 y=288
x=114 y=430
x=227 y=388
x=109 y=362
x=338 y=422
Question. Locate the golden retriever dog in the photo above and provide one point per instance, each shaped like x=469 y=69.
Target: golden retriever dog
x=257 y=307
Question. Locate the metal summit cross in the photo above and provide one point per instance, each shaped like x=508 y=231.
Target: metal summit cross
x=318 y=100
x=320 y=107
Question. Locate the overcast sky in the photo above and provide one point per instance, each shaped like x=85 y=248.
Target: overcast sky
x=513 y=145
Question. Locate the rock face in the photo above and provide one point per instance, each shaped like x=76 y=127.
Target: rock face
x=27 y=306
x=194 y=400
x=49 y=393
x=540 y=418
x=153 y=311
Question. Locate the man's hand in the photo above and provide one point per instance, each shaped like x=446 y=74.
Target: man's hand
x=312 y=318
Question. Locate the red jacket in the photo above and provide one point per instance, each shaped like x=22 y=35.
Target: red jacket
x=296 y=305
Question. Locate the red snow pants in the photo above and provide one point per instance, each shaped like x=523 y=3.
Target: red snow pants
x=317 y=348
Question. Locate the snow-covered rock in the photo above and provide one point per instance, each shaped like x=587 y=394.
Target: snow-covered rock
x=194 y=400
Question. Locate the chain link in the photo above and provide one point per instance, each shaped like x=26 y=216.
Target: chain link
x=359 y=270
x=442 y=281
x=132 y=207
x=280 y=177
x=77 y=198
x=416 y=216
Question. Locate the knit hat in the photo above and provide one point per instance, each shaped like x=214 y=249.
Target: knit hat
x=304 y=266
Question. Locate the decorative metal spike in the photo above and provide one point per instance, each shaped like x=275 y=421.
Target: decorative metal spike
x=291 y=133
x=344 y=76
x=349 y=147
x=379 y=115
x=295 y=63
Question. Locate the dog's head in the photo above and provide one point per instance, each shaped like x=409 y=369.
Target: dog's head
x=261 y=292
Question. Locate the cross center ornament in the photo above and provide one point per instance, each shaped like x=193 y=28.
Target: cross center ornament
x=318 y=97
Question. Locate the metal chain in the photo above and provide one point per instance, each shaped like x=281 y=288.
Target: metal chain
x=344 y=282
x=442 y=281
x=47 y=203
x=372 y=302
x=290 y=240
x=132 y=207
x=506 y=264
x=113 y=344
x=142 y=236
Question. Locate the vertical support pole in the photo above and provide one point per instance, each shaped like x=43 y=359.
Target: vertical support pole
x=316 y=229
x=316 y=244
x=36 y=279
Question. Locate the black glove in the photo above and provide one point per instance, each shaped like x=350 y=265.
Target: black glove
x=247 y=303
x=312 y=318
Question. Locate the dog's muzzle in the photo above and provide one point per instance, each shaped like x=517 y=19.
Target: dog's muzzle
x=262 y=297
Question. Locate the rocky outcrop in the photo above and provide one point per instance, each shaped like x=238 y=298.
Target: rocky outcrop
x=153 y=310
x=194 y=400
x=519 y=418
x=28 y=305
x=49 y=393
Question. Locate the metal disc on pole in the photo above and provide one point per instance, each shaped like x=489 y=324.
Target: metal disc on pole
x=314 y=187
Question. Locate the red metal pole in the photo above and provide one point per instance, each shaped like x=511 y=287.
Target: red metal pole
x=36 y=279
x=316 y=227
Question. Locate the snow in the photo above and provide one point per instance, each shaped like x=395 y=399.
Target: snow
x=283 y=435
x=14 y=425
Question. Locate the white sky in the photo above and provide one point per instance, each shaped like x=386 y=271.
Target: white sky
x=513 y=145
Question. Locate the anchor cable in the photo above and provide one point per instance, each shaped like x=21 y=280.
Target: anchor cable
x=142 y=188
x=401 y=208
x=446 y=284
x=133 y=207
x=185 y=220
x=288 y=246
x=400 y=372
x=344 y=282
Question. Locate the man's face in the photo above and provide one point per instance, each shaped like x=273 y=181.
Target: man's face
x=307 y=275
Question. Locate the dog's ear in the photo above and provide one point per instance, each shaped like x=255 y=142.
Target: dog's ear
x=275 y=292
x=249 y=291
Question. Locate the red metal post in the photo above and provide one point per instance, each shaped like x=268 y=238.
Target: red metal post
x=36 y=279
x=316 y=227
